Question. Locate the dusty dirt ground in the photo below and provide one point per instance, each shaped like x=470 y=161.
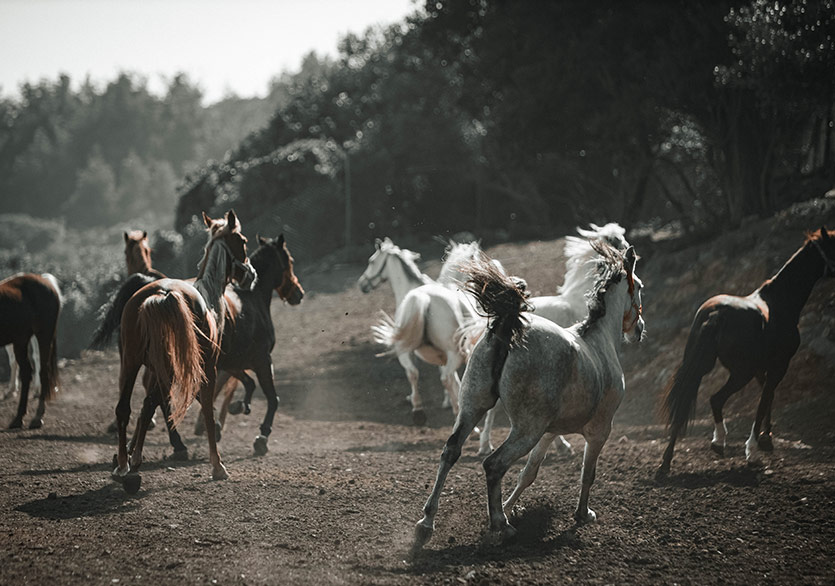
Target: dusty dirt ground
x=336 y=498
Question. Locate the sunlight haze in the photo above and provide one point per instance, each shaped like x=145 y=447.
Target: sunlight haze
x=225 y=47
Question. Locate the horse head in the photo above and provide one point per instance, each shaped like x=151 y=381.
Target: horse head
x=288 y=287
x=374 y=273
x=226 y=232
x=137 y=251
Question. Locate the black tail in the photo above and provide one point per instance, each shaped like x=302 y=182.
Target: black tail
x=503 y=300
x=110 y=314
x=699 y=358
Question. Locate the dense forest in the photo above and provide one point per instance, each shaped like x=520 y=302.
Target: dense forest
x=513 y=119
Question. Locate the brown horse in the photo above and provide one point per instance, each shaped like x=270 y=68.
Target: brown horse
x=753 y=336
x=138 y=254
x=174 y=329
x=29 y=306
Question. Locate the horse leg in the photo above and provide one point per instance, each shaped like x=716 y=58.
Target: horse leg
x=666 y=460
x=137 y=442
x=734 y=383
x=762 y=441
x=418 y=415
x=21 y=352
x=264 y=372
x=39 y=347
x=450 y=380
x=467 y=419
x=518 y=443
x=594 y=444
x=223 y=378
x=529 y=472
x=207 y=396
x=484 y=444
x=562 y=445
x=13 y=376
x=127 y=378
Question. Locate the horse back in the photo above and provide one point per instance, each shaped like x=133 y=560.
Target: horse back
x=742 y=328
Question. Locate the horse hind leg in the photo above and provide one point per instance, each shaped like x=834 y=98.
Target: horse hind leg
x=39 y=348
x=14 y=381
x=467 y=419
x=207 y=396
x=760 y=438
x=21 y=353
x=450 y=380
x=265 y=379
x=734 y=383
x=528 y=474
x=418 y=414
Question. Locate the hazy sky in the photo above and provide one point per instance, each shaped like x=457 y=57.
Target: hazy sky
x=224 y=46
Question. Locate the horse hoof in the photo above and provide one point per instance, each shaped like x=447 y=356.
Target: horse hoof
x=132 y=482
x=663 y=472
x=36 y=424
x=16 y=423
x=423 y=533
x=220 y=473
x=418 y=417
x=718 y=449
x=589 y=517
x=260 y=445
x=236 y=407
x=179 y=455
x=247 y=409
x=765 y=443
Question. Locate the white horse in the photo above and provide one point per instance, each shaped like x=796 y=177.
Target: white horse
x=426 y=322
x=569 y=305
x=551 y=380
x=34 y=355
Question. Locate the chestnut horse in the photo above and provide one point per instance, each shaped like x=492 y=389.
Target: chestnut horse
x=174 y=329
x=753 y=336
x=29 y=306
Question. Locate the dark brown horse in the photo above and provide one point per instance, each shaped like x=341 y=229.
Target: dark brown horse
x=249 y=334
x=174 y=329
x=29 y=306
x=138 y=254
x=753 y=336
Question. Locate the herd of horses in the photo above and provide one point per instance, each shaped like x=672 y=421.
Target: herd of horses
x=552 y=362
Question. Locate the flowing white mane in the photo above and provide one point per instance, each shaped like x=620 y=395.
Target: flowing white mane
x=580 y=257
x=456 y=254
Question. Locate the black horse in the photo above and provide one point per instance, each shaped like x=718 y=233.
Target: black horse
x=753 y=336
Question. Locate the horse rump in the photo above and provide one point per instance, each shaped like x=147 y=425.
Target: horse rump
x=170 y=335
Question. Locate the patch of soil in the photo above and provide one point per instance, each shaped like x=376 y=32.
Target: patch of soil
x=335 y=499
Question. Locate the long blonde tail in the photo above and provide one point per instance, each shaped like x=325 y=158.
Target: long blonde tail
x=169 y=332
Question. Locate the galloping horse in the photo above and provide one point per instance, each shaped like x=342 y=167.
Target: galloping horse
x=426 y=321
x=29 y=306
x=551 y=380
x=753 y=336
x=249 y=334
x=173 y=328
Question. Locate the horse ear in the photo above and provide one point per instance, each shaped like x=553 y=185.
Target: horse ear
x=232 y=220
x=207 y=220
x=630 y=259
x=144 y=234
x=378 y=243
x=824 y=233
x=261 y=240
x=280 y=240
x=127 y=238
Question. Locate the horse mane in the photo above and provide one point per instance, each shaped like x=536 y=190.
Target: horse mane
x=456 y=255
x=407 y=258
x=581 y=258
x=610 y=271
x=501 y=299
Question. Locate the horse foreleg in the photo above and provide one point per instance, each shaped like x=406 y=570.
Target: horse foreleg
x=13 y=372
x=465 y=423
x=418 y=415
x=137 y=442
x=207 y=395
x=594 y=444
x=530 y=471
x=265 y=378
x=734 y=383
x=21 y=353
x=127 y=378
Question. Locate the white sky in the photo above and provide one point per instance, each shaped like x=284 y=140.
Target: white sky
x=224 y=46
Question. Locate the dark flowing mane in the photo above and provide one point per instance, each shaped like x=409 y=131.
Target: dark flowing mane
x=501 y=299
x=609 y=272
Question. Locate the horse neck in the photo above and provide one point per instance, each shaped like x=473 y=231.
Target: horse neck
x=403 y=278
x=269 y=274
x=211 y=282
x=788 y=290
x=140 y=263
x=607 y=330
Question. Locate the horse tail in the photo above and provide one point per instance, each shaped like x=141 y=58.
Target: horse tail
x=503 y=300
x=169 y=333
x=110 y=314
x=700 y=354
x=49 y=363
x=406 y=331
